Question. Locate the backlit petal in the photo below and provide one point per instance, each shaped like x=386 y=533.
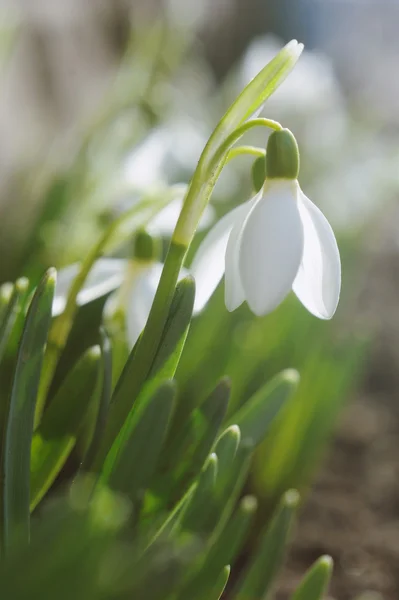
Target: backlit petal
x=234 y=294
x=270 y=247
x=209 y=262
x=105 y=276
x=318 y=282
x=140 y=299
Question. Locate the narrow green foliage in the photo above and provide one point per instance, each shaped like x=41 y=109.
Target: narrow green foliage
x=223 y=551
x=257 y=579
x=135 y=453
x=199 y=509
x=220 y=584
x=57 y=433
x=11 y=297
x=315 y=582
x=103 y=402
x=229 y=484
x=227 y=446
x=164 y=364
x=258 y=413
x=255 y=94
x=175 y=331
x=18 y=438
x=187 y=447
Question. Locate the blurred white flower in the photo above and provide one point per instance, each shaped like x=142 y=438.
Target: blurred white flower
x=134 y=282
x=167 y=151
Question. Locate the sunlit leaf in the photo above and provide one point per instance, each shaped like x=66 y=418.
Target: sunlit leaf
x=257 y=579
x=315 y=582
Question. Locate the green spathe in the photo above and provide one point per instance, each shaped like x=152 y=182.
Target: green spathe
x=282 y=156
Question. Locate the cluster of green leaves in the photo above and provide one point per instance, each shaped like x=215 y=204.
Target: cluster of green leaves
x=132 y=485
x=151 y=509
x=251 y=351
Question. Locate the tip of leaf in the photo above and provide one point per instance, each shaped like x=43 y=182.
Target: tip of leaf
x=326 y=561
x=249 y=504
x=51 y=275
x=291 y=498
x=94 y=352
x=225 y=382
x=291 y=376
x=233 y=431
x=6 y=291
x=22 y=284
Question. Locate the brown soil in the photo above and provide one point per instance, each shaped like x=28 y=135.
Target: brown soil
x=353 y=511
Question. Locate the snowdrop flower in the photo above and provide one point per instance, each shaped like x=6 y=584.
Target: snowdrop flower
x=133 y=282
x=276 y=242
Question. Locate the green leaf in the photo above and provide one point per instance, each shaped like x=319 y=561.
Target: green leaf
x=10 y=305
x=256 y=580
x=187 y=447
x=223 y=551
x=258 y=413
x=175 y=331
x=230 y=483
x=136 y=451
x=315 y=582
x=200 y=507
x=58 y=431
x=18 y=437
x=103 y=404
x=220 y=585
x=226 y=448
x=255 y=94
x=163 y=367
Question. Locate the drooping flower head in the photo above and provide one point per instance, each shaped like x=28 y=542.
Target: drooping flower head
x=275 y=242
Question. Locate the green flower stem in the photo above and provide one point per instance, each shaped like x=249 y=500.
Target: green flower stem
x=245 y=151
x=198 y=195
x=63 y=324
x=140 y=361
x=205 y=177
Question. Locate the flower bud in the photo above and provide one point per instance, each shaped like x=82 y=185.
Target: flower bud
x=258 y=173
x=146 y=248
x=282 y=155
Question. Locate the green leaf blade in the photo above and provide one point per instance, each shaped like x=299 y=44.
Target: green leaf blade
x=315 y=582
x=256 y=416
x=257 y=579
x=136 y=451
x=16 y=488
x=58 y=431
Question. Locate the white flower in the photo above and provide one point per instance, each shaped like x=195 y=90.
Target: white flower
x=134 y=283
x=277 y=241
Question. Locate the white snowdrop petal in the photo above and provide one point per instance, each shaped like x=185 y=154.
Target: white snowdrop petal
x=141 y=297
x=270 y=247
x=105 y=276
x=234 y=294
x=209 y=262
x=318 y=282
x=140 y=300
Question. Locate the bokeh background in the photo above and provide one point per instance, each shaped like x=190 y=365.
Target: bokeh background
x=102 y=99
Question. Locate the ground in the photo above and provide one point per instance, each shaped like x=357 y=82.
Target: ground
x=353 y=511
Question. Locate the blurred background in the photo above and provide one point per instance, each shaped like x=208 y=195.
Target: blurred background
x=102 y=99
